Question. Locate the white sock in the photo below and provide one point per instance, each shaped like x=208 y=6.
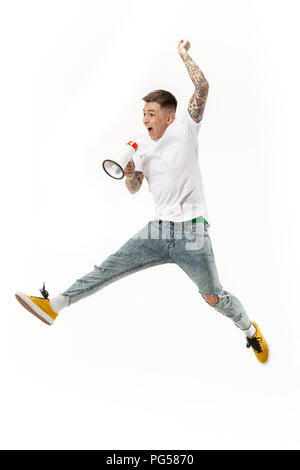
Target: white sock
x=251 y=331
x=59 y=302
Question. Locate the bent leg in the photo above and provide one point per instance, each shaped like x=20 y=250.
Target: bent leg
x=197 y=259
x=139 y=252
x=231 y=307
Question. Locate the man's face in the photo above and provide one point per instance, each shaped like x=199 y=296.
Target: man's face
x=156 y=119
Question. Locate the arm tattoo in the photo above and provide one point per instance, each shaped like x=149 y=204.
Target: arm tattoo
x=195 y=73
x=134 y=184
x=198 y=100
x=197 y=104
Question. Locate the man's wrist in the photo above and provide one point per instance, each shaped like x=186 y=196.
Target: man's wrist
x=130 y=178
x=183 y=55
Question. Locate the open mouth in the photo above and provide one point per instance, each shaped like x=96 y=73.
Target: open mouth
x=149 y=129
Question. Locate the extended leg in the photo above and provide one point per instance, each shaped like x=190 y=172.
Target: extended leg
x=139 y=252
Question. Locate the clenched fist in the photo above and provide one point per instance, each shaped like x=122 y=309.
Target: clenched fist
x=129 y=170
x=183 y=47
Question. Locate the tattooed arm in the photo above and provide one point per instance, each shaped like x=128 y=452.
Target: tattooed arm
x=198 y=100
x=133 y=184
x=134 y=178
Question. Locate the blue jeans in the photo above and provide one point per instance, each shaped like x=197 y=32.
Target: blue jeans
x=158 y=242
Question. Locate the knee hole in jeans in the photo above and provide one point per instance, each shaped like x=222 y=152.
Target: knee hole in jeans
x=212 y=300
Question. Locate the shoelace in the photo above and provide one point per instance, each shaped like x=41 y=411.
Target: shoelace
x=255 y=343
x=44 y=293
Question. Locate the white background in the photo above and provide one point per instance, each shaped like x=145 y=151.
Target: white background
x=146 y=363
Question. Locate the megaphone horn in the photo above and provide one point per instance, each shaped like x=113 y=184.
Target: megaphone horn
x=115 y=168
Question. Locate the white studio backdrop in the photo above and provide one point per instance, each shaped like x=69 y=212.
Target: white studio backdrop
x=146 y=363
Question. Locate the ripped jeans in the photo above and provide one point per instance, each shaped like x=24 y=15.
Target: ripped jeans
x=158 y=242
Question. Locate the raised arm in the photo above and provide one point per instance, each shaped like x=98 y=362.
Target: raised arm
x=198 y=100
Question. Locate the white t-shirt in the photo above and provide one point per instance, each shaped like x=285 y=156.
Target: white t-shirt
x=171 y=168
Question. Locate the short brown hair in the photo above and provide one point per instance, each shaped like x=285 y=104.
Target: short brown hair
x=166 y=100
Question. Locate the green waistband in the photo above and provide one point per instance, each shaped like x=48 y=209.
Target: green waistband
x=197 y=219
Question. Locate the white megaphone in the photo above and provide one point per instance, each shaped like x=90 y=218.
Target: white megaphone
x=115 y=168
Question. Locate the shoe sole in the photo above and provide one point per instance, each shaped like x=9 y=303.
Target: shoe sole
x=34 y=309
x=268 y=360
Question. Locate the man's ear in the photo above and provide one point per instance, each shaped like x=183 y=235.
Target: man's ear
x=171 y=118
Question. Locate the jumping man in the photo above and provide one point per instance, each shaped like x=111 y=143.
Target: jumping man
x=167 y=156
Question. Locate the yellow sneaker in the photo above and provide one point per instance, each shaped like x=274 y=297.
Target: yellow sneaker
x=259 y=345
x=38 y=306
